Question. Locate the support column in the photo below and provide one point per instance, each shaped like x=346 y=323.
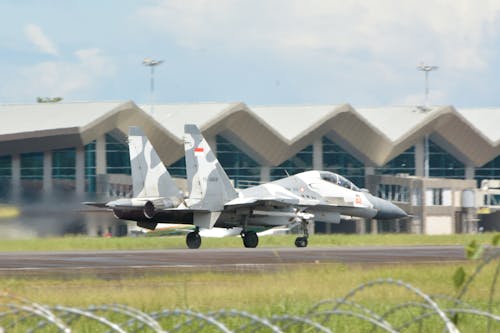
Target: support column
x=470 y=172
x=369 y=171
x=374 y=226
x=80 y=170
x=360 y=226
x=426 y=156
x=101 y=164
x=265 y=174
x=318 y=154
x=420 y=159
x=47 y=172
x=100 y=155
x=16 y=177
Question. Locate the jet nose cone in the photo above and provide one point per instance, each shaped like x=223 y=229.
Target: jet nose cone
x=386 y=210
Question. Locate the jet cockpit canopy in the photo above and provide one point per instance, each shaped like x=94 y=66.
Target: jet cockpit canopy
x=338 y=180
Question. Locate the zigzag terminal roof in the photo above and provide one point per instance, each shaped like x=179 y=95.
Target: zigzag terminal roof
x=269 y=134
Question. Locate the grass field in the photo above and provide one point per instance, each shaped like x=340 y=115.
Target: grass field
x=288 y=291
x=293 y=289
x=130 y=243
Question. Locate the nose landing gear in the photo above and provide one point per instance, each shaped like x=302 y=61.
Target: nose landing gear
x=193 y=239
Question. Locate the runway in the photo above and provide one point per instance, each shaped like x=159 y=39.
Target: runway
x=219 y=259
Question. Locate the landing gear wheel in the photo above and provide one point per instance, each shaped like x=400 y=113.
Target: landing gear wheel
x=193 y=240
x=301 y=242
x=250 y=239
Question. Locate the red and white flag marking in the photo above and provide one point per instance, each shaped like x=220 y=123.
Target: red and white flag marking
x=198 y=151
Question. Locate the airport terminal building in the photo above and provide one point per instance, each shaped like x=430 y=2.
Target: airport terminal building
x=79 y=150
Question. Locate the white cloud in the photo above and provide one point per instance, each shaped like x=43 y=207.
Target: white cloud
x=455 y=34
x=36 y=36
x=61 y=77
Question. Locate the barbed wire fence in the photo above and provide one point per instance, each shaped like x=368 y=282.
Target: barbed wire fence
x=424 y=313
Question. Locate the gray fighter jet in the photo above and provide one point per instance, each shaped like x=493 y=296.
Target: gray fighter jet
x=214 y=202
x=301 y=198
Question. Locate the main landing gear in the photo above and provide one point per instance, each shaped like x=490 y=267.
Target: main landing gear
x=302 y=241
x=250 y=239
x=193 y=239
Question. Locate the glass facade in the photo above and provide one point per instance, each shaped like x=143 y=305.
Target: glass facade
x=117 y=156
x=5 y=167
x=403 y=163
x=64 y=163
x=31 y=176
x=397 y=193
x=178 y=169
x=490 y=170
x=337 y=160
x=442 y=164
x=239 y=167
x=32 y=166
x=302 y=161
x=5 y=176
x=64 y=169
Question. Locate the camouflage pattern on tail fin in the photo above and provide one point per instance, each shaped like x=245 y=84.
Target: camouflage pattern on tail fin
x=150 y=178
x=209 y=185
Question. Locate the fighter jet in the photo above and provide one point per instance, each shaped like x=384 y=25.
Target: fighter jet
x=213 y=202
x=301 y=198
x=154 y=189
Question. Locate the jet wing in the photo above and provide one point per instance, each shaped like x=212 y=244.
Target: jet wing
x=261 y=202
x=320 y=209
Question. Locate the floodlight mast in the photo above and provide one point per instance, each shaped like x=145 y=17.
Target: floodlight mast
x=151 y=63
x=426 y=69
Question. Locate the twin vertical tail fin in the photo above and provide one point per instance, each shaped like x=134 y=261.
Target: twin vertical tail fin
x=150 y=178
x=209 y=185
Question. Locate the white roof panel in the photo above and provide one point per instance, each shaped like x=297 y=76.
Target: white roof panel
x=174 y=116
x=50 y=116
x=485 y=120
x=394 y=121
x=292 y=121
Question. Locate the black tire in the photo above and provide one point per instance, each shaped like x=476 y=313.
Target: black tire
x=250 y=239
x=301 y=242
x=193 y=240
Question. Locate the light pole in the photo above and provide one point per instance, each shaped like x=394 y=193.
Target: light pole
x=151 y=63
x=426 y=69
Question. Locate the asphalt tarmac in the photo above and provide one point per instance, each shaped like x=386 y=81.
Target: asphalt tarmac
x=18 y=263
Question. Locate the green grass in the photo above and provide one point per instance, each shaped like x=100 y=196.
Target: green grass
x=287 y=291
x=72 y=243
x=292 y=289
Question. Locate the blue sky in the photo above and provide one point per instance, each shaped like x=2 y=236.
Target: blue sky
x=260 y=52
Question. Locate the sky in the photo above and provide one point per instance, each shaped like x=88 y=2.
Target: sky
x=261 y=52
